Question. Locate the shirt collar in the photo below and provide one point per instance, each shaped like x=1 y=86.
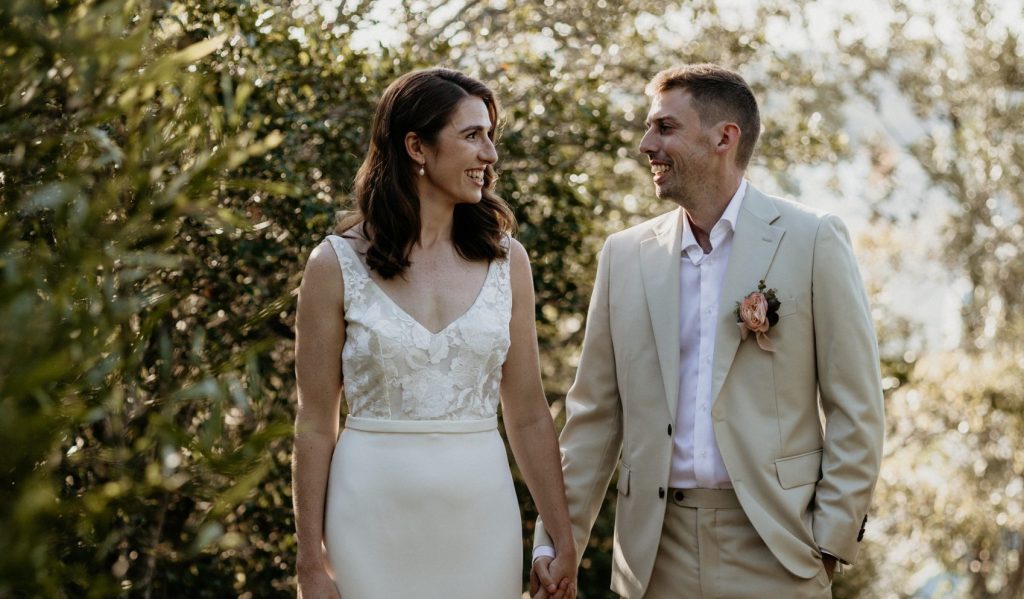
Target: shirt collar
x=726 y=224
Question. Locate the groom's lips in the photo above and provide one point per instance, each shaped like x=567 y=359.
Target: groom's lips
x=660 y=173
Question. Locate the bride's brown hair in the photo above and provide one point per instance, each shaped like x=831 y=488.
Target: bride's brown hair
x=388 y=210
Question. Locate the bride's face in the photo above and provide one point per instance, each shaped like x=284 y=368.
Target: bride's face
x=455 y=163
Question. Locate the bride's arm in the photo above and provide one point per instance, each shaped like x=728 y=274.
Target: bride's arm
x=319 y=337
x=531 y=433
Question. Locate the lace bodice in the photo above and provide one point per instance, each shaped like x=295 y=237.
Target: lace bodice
x=396 y=369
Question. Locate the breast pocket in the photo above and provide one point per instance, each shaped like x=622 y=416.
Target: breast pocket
x=788 y=306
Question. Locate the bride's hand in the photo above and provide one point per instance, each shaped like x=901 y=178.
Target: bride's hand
x=317 y=584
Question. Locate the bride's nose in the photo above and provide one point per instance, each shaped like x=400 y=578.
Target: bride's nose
x=488 y=153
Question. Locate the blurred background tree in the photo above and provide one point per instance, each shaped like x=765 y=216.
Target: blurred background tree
x=166 y=167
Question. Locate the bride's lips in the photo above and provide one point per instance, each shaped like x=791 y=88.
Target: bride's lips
x=476 y=175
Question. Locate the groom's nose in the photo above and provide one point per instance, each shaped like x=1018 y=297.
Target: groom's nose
x=647 y=143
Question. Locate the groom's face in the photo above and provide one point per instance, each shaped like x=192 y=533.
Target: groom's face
x=679 y=149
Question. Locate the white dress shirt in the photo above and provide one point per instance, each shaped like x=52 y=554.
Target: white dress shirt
x=696 y=461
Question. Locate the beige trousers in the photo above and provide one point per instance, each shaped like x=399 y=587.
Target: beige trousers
x=710 y=550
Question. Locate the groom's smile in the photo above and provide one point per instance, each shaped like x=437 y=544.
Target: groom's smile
x=659 y=170
x=676 y=144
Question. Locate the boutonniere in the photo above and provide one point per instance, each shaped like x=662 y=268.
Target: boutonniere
x=757 y=313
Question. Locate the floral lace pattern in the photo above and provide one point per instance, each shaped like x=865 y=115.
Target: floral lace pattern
x=396 y=369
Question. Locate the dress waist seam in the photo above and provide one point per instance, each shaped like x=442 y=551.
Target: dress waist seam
x=382 y=425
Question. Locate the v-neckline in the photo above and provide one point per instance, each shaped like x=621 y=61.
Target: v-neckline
x=402 y=311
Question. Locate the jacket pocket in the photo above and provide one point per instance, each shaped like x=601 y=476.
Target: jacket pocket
x=787 y=306
x=802 y=469
x=623 y=484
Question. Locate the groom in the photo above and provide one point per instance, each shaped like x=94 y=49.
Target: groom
x=718 y=337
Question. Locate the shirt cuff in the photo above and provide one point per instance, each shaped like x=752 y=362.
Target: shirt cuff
x=543 y=551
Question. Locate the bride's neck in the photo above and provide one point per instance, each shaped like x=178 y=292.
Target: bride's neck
x=435 y=225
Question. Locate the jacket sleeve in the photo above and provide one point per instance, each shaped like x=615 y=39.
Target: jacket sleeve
x=592 y=437
x=849 y=384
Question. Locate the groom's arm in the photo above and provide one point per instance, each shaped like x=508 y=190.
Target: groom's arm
x=849 y=383
x=592 y=437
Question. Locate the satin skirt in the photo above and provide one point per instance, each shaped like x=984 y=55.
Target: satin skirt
x=423 y=509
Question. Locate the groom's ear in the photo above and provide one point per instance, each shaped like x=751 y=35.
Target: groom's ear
x=726 y=136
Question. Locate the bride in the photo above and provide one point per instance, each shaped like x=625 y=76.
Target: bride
x=420 y=313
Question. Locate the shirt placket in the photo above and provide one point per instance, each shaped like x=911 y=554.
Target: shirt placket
x=703 y=460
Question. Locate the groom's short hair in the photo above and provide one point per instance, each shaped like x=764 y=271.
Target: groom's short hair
x=718 y=94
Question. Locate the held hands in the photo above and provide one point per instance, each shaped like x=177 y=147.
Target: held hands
x=553 y=578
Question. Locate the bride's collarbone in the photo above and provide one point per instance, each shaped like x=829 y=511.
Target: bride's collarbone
x=436 y=294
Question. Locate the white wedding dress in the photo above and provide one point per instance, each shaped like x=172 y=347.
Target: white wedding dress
x=420 y=501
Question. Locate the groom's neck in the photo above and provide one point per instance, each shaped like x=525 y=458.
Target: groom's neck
x=706 y=209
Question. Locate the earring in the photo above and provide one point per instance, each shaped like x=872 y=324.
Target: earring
x=422 y=171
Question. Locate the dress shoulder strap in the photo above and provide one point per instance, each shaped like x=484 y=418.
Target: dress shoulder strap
x=503 y=280
x=352 y=271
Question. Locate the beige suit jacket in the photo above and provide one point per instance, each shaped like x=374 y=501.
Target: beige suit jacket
x=802 y=485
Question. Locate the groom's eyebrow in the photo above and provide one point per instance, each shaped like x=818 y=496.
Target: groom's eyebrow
x=660 y=120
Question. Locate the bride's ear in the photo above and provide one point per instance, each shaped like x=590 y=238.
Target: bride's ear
x=414 y=146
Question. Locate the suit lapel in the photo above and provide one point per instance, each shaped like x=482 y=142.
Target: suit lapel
x=753 y=248
x=659 y=269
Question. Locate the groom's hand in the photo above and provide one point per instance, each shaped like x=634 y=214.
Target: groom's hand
x=830 y=565
x=542 y=583
x=540 y=576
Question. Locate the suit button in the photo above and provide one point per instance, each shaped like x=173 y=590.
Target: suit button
x=670 y=430
x=661 y=492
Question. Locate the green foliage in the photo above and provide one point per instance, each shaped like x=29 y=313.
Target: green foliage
x=954 y=473
x=956 y=436
x=139 y=429
x=166 y=166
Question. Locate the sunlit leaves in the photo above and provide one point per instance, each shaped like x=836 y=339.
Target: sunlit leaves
x=165 y=168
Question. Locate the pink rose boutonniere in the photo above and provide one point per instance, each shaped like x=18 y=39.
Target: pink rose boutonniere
x=757 y=313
